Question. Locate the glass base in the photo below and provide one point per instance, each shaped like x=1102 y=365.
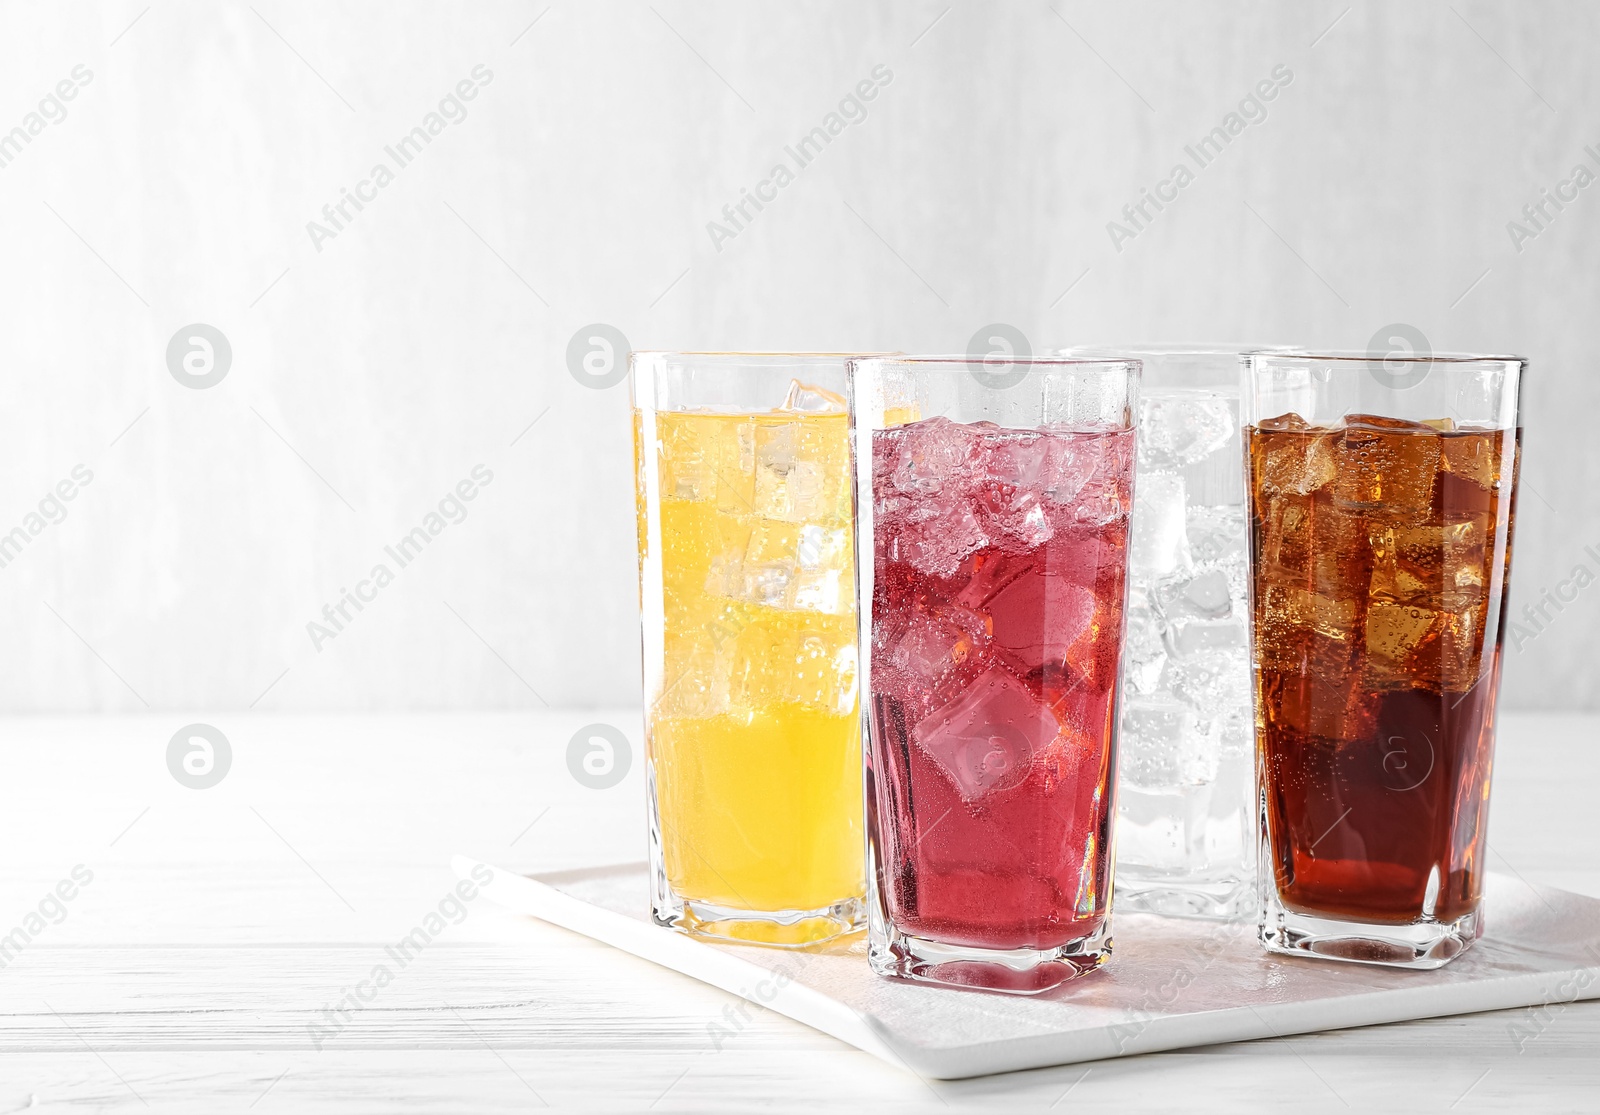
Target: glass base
x=1010 y=971
x=1221 y=900
x=1421 y=944
x=781 y=928
x=777 y=928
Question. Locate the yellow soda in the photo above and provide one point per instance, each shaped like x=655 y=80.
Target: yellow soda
x=753 y=735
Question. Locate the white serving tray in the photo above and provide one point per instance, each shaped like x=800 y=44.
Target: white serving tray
x=1170 y=983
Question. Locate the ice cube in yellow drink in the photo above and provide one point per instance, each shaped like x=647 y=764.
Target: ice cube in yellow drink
x=754 y=743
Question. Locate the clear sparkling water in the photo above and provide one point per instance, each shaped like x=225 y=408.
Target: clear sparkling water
x=1185 y=841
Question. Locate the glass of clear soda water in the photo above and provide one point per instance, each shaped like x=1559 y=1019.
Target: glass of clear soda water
x=1185 y=820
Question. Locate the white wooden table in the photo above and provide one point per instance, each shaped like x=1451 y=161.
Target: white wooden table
x=219 y=923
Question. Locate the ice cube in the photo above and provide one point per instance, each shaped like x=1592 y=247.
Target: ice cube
x=1385 y=422
x=931 y=648
x=801 y=472
x=1300 y=465
x=1465 y=560
x=1328 y=616
x=821 y=590
x=821 y=548
x=1218 y=540
x=1105 y=495
x=1009 y=490
x=1217 y=685
x=991 y=573
x=1013 y=519
x=1298 y=631
x=699 y=667
x=1037 y=618
x=1216 y=534
x=1315 y=545
x=796 y=493
x=985 y=740
x=930 y=466
x=764 y=571
x=1203 y=594
x=1144 y=654
x=1194 y=638
x=1461 y=639
x=767 y=585
x=806 y=399
x=1151 y=831
x=763 y=652
x=687 y=477
x=936 y=536
x=784 y=565
x=1471 y=456
x=928 y=456
x=1287 y=539
x=1177 y=431
x=1069 y=464
x=725 y=576
x=1164 y=745
x=702 y=458
x=822 y=675
x=1238 y=736
x=1015 y=459
x=1397 y=634
x=733 y=468
x=772 y=541
x=1289 y=421
x=927 y=658
x=1159 y=526
x=1024 y=523
x=1205 y=624
x=1405 y=562
x=1387 y=468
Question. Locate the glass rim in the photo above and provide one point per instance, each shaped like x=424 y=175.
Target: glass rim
x=735 y=354
x=966 y=360
x=1354 y=356
x=1175 y=348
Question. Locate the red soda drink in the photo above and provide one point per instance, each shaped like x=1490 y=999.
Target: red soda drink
x=999 y=578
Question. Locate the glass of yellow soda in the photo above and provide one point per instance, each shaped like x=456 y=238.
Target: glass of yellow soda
x=747 y=599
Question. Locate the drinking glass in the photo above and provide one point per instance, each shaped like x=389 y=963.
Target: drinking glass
x=993 y=497
x=1186 y=818
x=1382 y=498
x=747 y=598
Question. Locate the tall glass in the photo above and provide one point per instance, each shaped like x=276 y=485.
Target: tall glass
x=992 y=550
x=747 y=598
x=1186 y=819
x=1382 y=499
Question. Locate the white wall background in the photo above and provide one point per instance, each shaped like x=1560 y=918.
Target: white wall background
x=370 y=377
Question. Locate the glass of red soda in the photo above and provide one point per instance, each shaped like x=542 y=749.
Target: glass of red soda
x=993 y=497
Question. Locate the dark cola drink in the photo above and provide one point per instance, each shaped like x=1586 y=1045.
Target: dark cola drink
x=1380 y=549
